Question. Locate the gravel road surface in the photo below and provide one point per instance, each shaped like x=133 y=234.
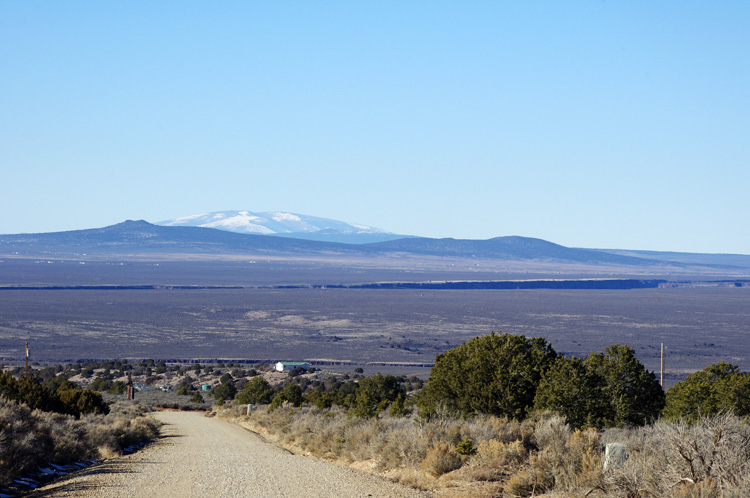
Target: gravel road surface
x=207 y=457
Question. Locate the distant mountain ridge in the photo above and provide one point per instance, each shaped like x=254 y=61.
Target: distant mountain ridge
x=688 y=258
x=141 y=236
x=142 y=239
x=285 y=224
x=509 y=247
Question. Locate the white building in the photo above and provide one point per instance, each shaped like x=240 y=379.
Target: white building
x=283 y=366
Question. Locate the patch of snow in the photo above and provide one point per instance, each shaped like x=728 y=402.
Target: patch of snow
x=243 y=221
x=178 y=221
x=366 y=229
x=26 y=482
x=281 y=217
x=235 y=225
x=267 y=223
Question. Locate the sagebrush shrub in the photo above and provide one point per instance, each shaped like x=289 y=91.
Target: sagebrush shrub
x=441 y=458
x=494 y=453
x=529 y=482
x=31 y=438
x=543 y=453
x=708 y=458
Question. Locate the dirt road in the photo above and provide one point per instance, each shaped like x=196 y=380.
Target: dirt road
x=206 y=457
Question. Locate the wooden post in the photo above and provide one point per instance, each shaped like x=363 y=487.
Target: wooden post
x=27 y=359
x=662 y=366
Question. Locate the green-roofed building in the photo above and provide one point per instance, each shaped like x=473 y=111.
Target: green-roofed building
x=284 y=366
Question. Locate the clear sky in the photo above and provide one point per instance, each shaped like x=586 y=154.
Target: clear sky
x=617 y=124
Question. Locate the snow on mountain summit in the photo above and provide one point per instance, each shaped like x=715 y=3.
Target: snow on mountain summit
x=285 y=217
x=270 y=223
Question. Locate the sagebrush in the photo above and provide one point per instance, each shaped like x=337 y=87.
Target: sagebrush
x=33 y=438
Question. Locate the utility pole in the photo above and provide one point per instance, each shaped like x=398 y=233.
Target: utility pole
x=27 y=359
x=662 y=366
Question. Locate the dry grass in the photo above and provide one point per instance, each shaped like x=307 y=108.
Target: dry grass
x=541 y=456
x=415 y=452
x=494 y=453
x=29 y=439
x=710 y=458
x=440 y=459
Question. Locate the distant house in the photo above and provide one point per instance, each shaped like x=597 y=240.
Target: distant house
x=284 y=366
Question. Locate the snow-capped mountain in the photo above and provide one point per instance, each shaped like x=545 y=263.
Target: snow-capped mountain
x=284 y=224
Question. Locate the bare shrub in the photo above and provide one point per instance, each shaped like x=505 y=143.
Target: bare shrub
x=22 y=439
x=552 y=434
x=705 y=459
x=389 y=442
x=715 y=449
x=69 y=437
x=494 y=453
x=397 y=444
x=565 y=461
x=29 y=438
x=541 y=454
x=529 y=482
x=582 y=465
x=441 y=458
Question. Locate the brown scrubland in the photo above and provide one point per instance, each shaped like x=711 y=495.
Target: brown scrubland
x=486 y=456
x=376 y=424
x=34 y=439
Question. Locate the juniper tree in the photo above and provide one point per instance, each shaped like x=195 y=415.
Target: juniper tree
x=496 y=374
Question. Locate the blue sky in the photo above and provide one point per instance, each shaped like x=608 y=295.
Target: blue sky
x=591 y=124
